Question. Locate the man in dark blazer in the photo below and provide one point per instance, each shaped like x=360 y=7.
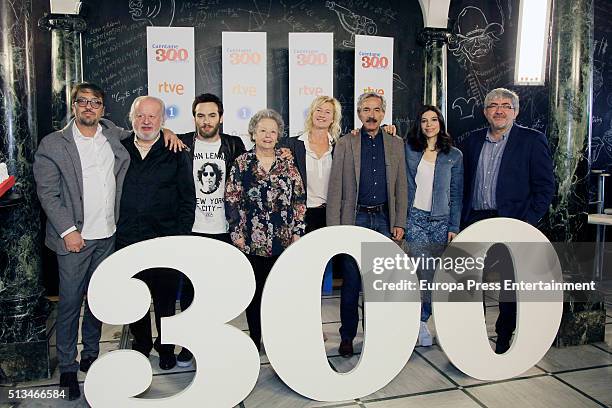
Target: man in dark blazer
x=158 y=200
x=368 y=188
x=79 y=173
x=507 y=173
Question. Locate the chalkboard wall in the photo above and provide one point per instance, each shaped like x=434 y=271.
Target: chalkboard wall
x=114 y=56
x=601 y=140
x=114 y=46
x=482 y=58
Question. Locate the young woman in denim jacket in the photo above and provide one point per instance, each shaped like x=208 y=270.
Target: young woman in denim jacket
x=435 y=192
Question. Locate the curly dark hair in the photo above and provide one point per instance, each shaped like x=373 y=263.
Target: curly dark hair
x=418 y=141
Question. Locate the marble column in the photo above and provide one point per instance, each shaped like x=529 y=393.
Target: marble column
x=434 y=42
x=23 y=310
x=571 y=77
x=66 y=63
x=570 y=117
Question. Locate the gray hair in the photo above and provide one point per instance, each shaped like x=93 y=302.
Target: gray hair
x=367 y=95
x=266 y=114
x=499 y=93
x=142 y=98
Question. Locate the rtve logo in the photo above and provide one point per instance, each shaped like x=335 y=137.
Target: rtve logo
x=170 y=87
x=379 y=91
x=311 y=91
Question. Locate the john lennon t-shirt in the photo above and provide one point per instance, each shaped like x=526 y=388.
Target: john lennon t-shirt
x=209 y=178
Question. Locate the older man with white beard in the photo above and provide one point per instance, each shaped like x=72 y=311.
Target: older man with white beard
x=158 y=200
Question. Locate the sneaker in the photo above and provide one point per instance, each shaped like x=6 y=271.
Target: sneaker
x=184 y=358
x=425 y=337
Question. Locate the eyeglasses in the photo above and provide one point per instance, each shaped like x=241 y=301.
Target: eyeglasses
x=503 y=106
x=94 y=103
x=208 y=174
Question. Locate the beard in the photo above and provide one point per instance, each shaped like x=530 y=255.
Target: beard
x=212 y=133
x=147 y=137
x=85 y=121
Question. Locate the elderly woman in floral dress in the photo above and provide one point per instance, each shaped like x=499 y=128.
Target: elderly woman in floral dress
x=265 y=204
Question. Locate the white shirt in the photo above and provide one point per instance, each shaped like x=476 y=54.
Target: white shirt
x=99 y=185
x=317 y=173
x=424 y=182
x=209 y=179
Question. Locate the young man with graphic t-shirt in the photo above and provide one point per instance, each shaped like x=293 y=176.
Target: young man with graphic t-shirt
x=213 y=154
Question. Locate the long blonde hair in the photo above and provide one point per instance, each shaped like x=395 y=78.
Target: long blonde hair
x=334 y=128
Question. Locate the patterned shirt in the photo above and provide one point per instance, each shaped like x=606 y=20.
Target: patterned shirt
x=485 y=185
x=266 y=209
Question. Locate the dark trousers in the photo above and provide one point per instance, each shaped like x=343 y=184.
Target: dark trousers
x=261 y=267
x=163 y=284
x=498 y=262
x=75 y=270
x=315 y=219
x=187 y=287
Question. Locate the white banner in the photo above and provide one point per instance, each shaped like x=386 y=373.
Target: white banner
x=311 y=74
x=374 y=71
x=171 y=73
x=244 y=81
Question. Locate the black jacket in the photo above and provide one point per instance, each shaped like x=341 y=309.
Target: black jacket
x=158 y=195
x=231 y=147
x=525 y=184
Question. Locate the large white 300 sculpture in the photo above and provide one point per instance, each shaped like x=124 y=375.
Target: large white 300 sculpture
x=228 y=362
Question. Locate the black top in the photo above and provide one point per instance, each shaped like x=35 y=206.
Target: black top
x=158 y=194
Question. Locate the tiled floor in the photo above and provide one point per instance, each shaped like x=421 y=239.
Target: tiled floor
x=567 y=377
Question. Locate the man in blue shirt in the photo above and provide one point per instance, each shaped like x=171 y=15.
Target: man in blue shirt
x=367 y=188
x=507 y=173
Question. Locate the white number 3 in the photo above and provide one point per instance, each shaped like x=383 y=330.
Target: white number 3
x=228 y=362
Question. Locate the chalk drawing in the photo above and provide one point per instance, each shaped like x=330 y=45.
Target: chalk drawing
x=154 y=12
x=353 y=23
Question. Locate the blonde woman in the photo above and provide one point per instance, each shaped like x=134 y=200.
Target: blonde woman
x=312 y=151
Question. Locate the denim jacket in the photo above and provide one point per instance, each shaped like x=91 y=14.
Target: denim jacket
x=447 y=194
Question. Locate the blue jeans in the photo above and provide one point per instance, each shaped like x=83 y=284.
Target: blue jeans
x=351 y=280
x=421 y=233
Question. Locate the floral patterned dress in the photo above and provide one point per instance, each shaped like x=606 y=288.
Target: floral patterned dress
x=264 y=208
